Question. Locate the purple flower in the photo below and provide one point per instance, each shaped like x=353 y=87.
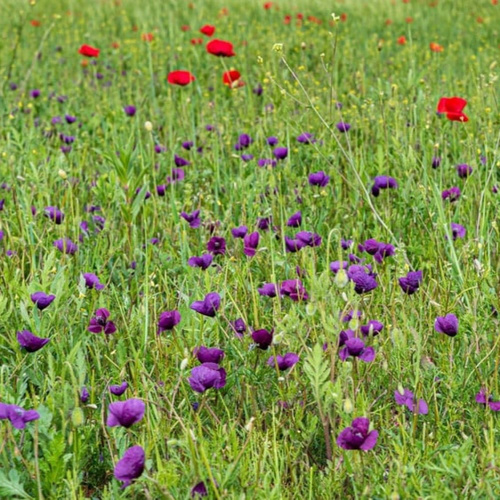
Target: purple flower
x=193 y=218
x=55 y=120
x=65 y=245
x=309 y=239
x=356 y=348
x=293 y=245
x=262 y=338
x=199 y=489
x=453 y=194
x=216 y=245
x=99 y=323
x=263 y=223
x=30 y=342
x=319 y=179
x=383 y=182
x=280 y=153
x=159 y=149
x=272 y=141
x=447 y=324
x=238 y=327
x=336 y=265
x=481 y=398
x=18 y=416
x=130 y=466
x=464 y=170
x=264 y=162
x=181 y=162
x=343 y=127
x=209 y=354
x=244 y=140
x=294 y=289
x=84 y=395
x=408 y=399
x=177 y=176
x=203 y=262
x=363 y=281
x=351 y=314
x=168 y=320
x=42 y=300
x=283 y=362
x=92 y=281
x=411 y=283
x=384 y=250
x=295 y=220
x=250 y=244
x=208 y=306
x=436 y=161
x=187 y=145
x=206 y=376
x=70 y=119
x=373 y=327
x=35 y=93
x=306 y=138
x=118 y=390
x=358 y=437
x=247 y=157
x=125 y=413
x=239 y=232
x=457 y=231
x=268 y=290
x=346 y=335
x=258 y=90
x=129 y=110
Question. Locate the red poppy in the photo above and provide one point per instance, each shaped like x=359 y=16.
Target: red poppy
x=180 y=77
x=35 y=23
x=196 y=41
x=224 y=12
x=115 y=45
x=232 y=79
x=402 y=40
x=494 y=2
x=88 y=51
x=268 y=5
x=147 y=37
x=409 y=20
x=343 y=17
x=435 y=47
x=453 y=107
x=314 y=19
x=287 y=19
x=220 y=48
x=388 y=22
x=480 y=20
x=185 y=27
x=207 y=30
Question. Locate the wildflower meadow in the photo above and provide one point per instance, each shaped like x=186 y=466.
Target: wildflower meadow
x=249 y=250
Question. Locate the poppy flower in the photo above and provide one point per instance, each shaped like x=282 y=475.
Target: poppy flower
x=263 y=338
x=411 y=282
x=401 y=40
x=481 y=399
x=363 y=281
x=295 y=220
x=88 y=51
x=203 y=262
x=118 y=390
x=130 y=466
x=147 y=37
x=239 y=327
x=99 y=323
x=319 y=179
x=407 y=398
x=294 y=289
x=358 y=437
x=42 y=300
x=383 y=182
x=35 y=23
x=250 y=244
x=447 y=324
x=92 y=281
x=284 y=362
x=196 y=41
x=268 y=290
x=354 y=347
x=65 y=245
x=125 y=413
x=216 y=245
x=180 y=77
x=18 y=416
x=239 y=232
x=463 y=170
x=185 y=27
x=193 y=218
x=207 y=376
x=343 y=127
x=232 y=79
x=199 y=489
x=208 y=306
x=453 y=107
x=207 y=30
x=220 y=48
x=209 y=354
x=268 y=5
x=30 y=342
x=168 y=320
x=453 y=194
x=435 y=47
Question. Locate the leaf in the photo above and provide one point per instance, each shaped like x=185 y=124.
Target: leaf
x=10 y=487
x=317 y=370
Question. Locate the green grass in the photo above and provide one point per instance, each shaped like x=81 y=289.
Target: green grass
x=242 y=442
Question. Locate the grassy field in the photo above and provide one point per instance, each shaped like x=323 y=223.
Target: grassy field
x=103 y=167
